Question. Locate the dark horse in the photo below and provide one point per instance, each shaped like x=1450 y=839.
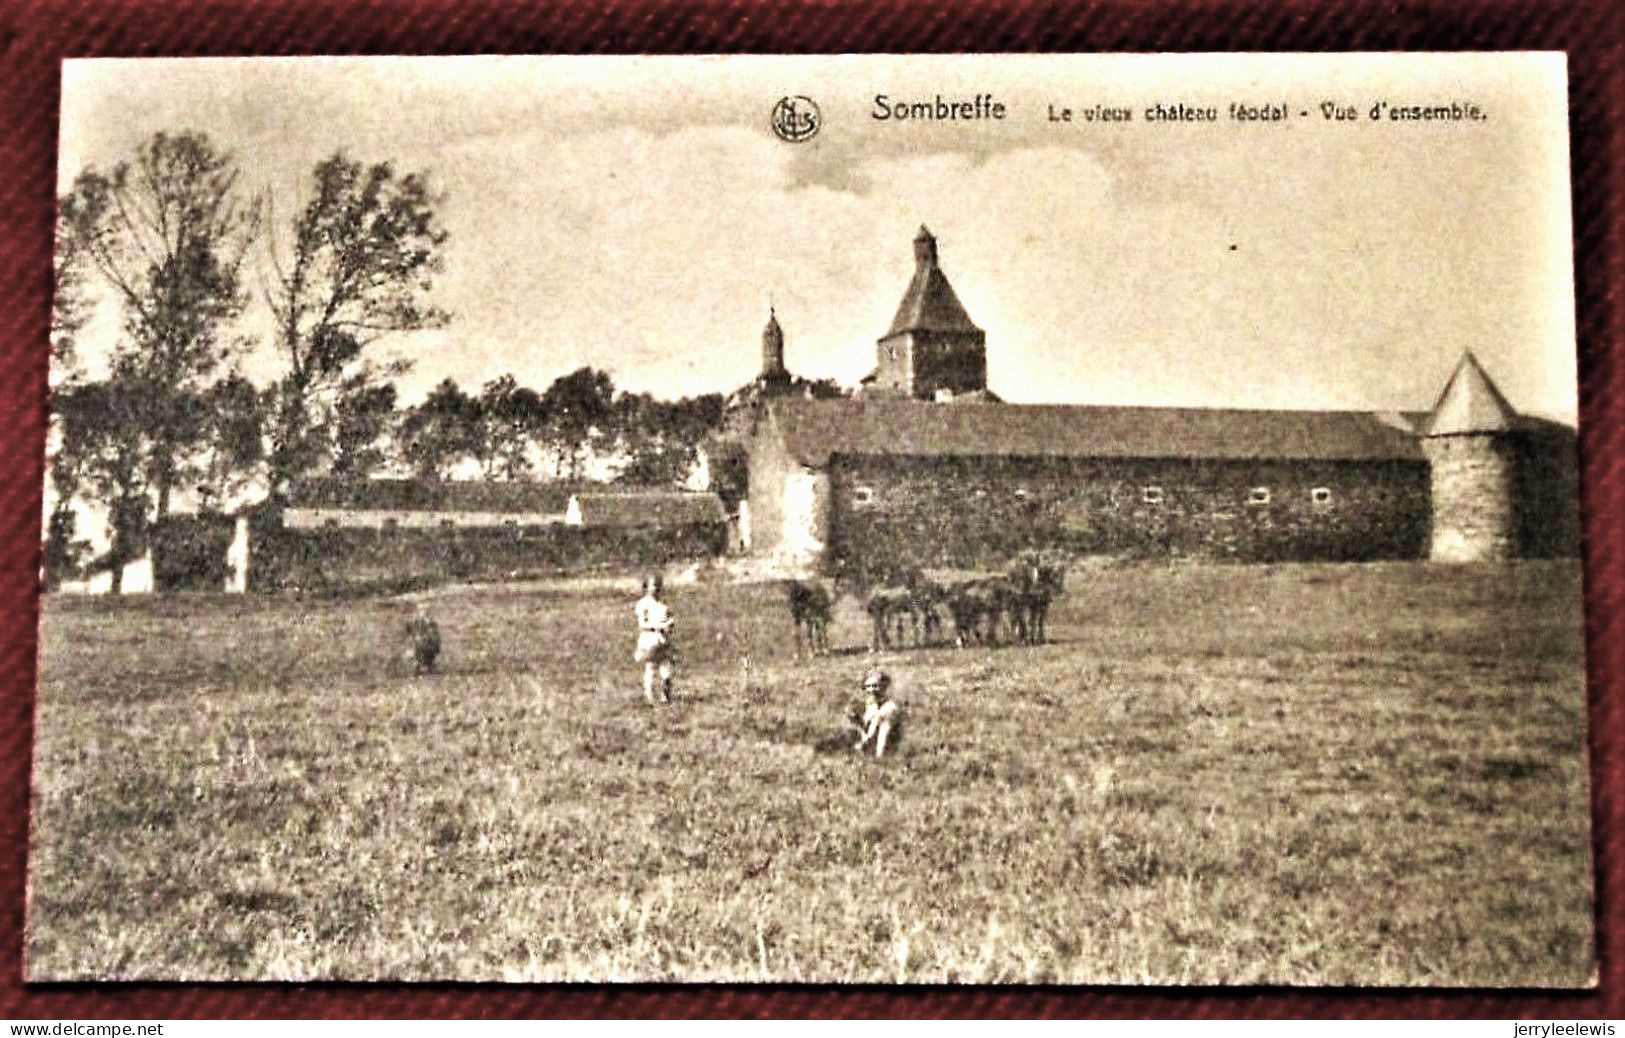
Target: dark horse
x=810 y=609
x=1034 y=583
x=976 y=606
x=907 y=604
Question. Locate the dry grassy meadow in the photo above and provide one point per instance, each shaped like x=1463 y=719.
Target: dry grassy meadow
x=1294 y=774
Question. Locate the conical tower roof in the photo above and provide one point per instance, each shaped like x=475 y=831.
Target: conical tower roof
x=930 y=303
x=1470 y=403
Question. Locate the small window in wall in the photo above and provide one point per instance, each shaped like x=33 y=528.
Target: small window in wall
x=391 y=523
x=1259 y=496
x=330 y=523
x=447 y=524
x=1321 y=495
x=1151 y=495
x=862 y=496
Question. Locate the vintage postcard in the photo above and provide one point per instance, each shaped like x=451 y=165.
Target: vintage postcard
x=954 y=519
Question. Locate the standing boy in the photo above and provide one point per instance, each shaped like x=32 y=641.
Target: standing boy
x=654 y=649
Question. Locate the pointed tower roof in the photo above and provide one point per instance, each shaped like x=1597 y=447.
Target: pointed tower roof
x=1470 y=403
x=930 y=303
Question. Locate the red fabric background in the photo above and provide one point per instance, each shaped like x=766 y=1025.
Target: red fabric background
x=36 y=34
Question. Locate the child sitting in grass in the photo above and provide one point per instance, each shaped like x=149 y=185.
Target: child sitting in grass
x=879 y=711
x=425 y=636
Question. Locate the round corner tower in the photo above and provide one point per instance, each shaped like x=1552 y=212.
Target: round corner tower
x=1470 y=451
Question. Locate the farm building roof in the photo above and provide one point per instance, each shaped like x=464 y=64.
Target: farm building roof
x=414 y=495
x=929 y=303
x=815 y=430
x=651 y=508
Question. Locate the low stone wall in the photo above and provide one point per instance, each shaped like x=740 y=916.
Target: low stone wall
x=334 y=559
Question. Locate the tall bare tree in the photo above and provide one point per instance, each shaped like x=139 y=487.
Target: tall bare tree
x=364 y=253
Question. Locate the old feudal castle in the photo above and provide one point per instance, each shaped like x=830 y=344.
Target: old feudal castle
x=925 y=465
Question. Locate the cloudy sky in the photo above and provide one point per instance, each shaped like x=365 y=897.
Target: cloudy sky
x=637 y=214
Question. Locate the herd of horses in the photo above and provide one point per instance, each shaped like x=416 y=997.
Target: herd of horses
x=909 y=608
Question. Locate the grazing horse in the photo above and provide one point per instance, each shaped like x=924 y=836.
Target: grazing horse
x=907 y=604
x=890 y=610
x=928 y=596
x=976 y=606
x=1034 y=584
x=810 y=609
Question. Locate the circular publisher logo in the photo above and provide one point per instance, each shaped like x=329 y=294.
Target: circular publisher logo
x=796 y=119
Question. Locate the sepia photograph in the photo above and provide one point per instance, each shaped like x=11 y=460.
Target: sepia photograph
x=880 y=519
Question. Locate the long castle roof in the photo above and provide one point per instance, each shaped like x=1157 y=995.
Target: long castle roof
x=815 y=430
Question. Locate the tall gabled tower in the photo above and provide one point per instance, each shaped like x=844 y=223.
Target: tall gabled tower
x=1469 y=442
x=932 y=347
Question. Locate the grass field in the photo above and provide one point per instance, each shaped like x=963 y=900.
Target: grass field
x=1295 y=774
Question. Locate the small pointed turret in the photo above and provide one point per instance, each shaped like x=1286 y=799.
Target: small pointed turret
x=1470 y=403
x=774 y=374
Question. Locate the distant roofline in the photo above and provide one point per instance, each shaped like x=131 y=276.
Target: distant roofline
x=815 y=431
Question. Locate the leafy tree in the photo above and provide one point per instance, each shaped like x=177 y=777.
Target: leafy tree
x=512 y=417
x=168 y=232
x=97 y=455
x=818 y=388
x=362 y=422
x=364 y=254
x=661 y=439
x=440 y=432
x=81 y=217
x=232 y=412
x=65 y=552
x=579 y=407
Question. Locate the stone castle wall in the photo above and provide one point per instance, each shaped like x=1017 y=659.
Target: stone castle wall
x=972 y=512
x=1548 y=491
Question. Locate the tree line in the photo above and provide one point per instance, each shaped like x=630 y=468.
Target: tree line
x=171 y=244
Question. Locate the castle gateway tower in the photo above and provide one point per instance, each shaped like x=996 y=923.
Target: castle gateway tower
x=1470 y=444
x=932 y=349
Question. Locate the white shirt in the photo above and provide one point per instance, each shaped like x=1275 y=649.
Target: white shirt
x=653 y=615
x=879 y=713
